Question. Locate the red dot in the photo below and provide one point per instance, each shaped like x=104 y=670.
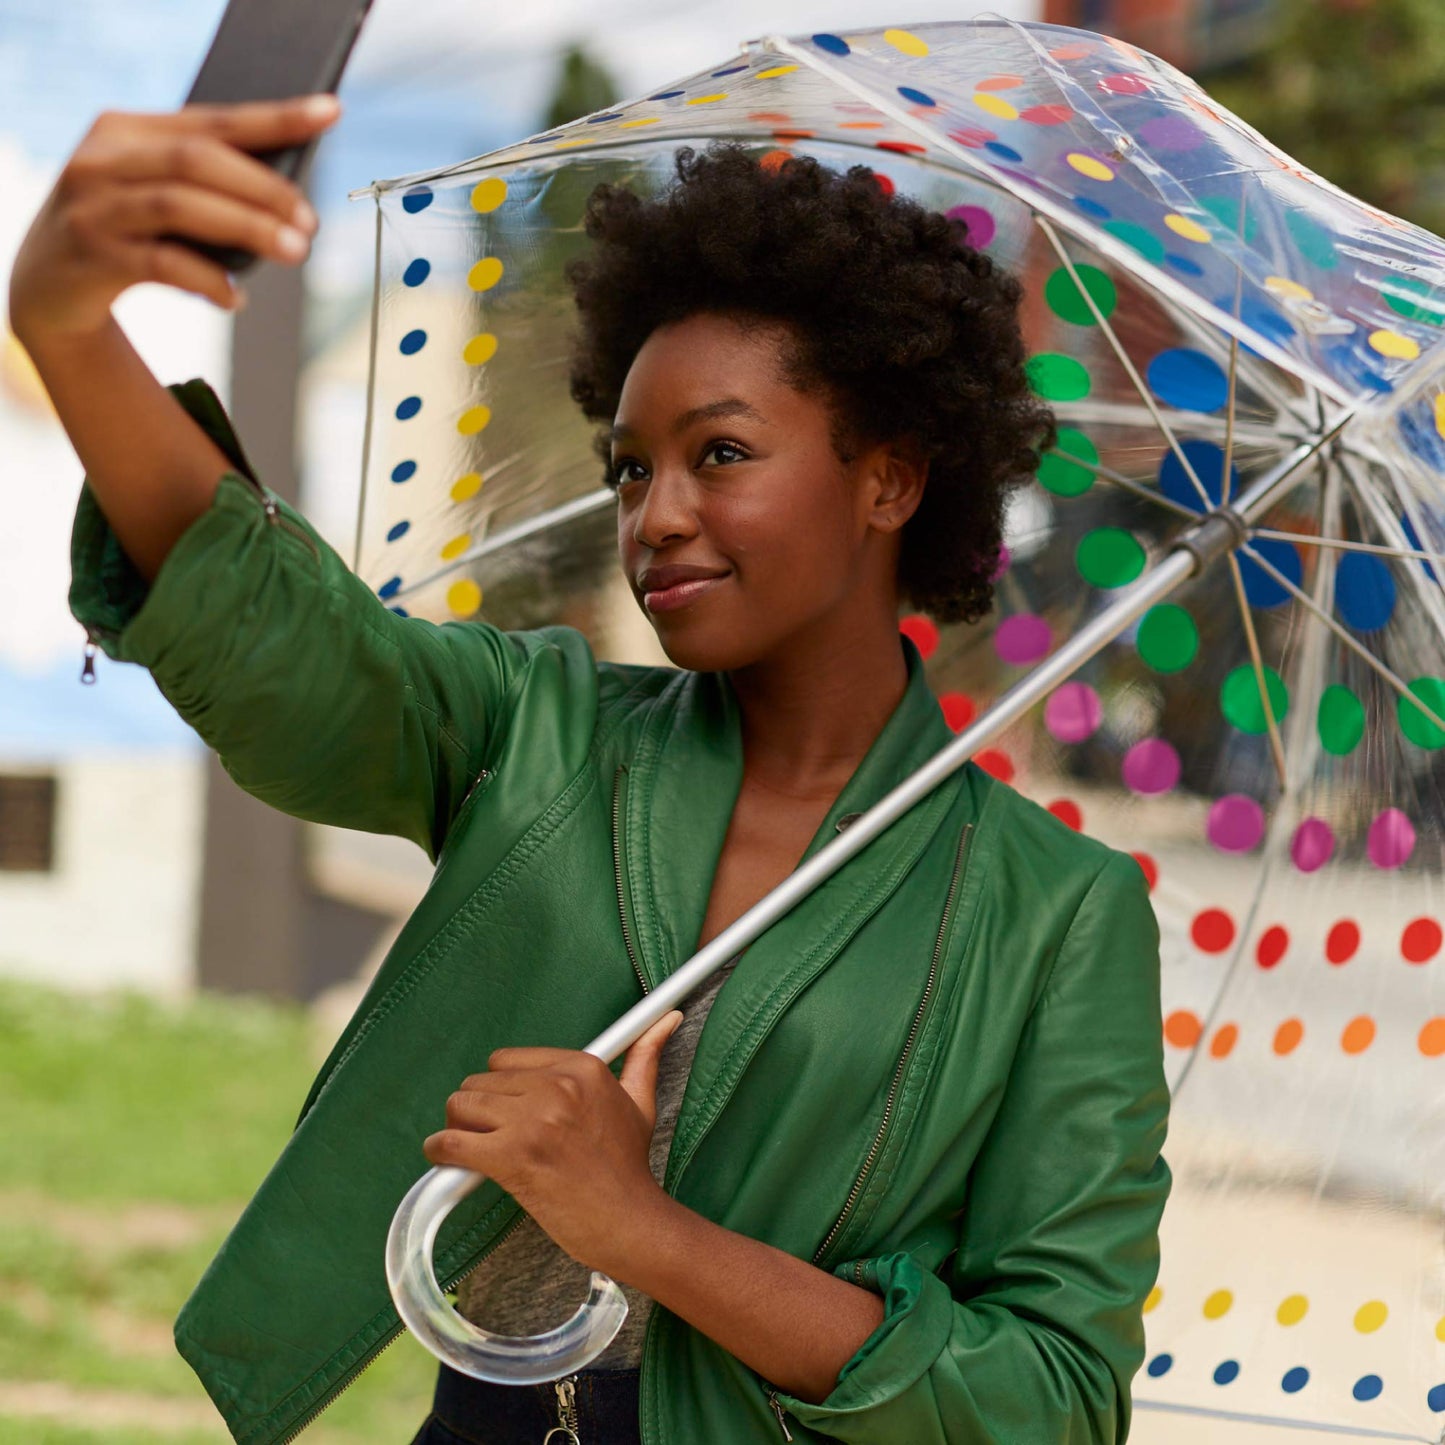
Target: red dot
x=1212 y=930
x=996 y=763
x=907 y=148
x=972 y=136
x=1047 y=115
x=884 y=184
x=1068 y=813
x=775 y=160
x=1421 y=940
x=1342 y=941
x=1124 y=84
x=1271 y=947
x=1149 y=867
x=922 y=632
x=958 y=710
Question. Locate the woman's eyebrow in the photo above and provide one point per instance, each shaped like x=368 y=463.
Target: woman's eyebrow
x=711 y=411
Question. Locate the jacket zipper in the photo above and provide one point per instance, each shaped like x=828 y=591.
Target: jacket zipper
x=277 y=519
x=87 y=667
x=873 y=1151
x=566 y=1389
x=778 y=1411
x=617 y=870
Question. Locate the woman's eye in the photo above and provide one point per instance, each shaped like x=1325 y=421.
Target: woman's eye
x=738 y=454
x=618 y=472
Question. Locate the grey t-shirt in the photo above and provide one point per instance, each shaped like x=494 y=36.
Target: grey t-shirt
x=528 y=1284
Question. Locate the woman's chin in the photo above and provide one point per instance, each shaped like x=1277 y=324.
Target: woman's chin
x=700 y=649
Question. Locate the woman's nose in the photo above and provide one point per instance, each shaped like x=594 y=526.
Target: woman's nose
x=666 y=511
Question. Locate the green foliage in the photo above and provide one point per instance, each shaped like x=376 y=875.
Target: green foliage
x=583 y=86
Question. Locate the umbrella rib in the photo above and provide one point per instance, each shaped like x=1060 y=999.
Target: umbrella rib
x=1340 y=544
x=1127 y=483
x=1387 y=673
x=1229 y=405
x=1047 y=228
x=1124 y=414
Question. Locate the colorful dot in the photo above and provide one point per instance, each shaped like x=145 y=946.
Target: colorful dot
x=466 y=487
x=1364 y=591
x=485 y=274
x=1272 y=946
x=915 y=96
x=1137 y=238
x=1171 y=133
x=488 y=194
x=1066 y=297
x=1415 y=724
x=1369 y=1317
x=971 y=136
x=833 y=44
x=1287 y=1036
x=1218 y=1304
x=1226 y=1372
x=412 y=342
x=1343 y=941
x=1068 y=813
x=708 y=99
x=1227 y=212
x=1065 y=478
x=980 y=223
x=958 y=710
x=1391 y=839
x=1235 y=823
x=922 y=632
x=1000 y=82
x=1315 y=242
x=1224 y=1040
x=1056 y=377
x=1432 y=1044
x=1420 y=941
x=1436 y=1398
x=1242 y=705
x=997 y=764
x=1187 y=379
x=653 y=119
x=1151 y=1300
x=1167 y=638
x=773 y=71
x=1046 y=114
x=1406 y=295
x=1109 y=557
x=1358 y=1035
x=1183 y=226
x=1122 y=84
x=456 y=546
x=1212 y=930
x=1392 y=344
x=464 y=598
x=1160 y=1365
x=1150 y=767
x=1312 y=845
x=1022 y=639
x=416 y=199
x=1368 y=1387
x=403 y=471
x=1340 y=720
x=408 y=408
x=1292 y=1310
x=480 y=349
x=1295 y=1380
x=416 y=272
x=1148 y=867
x=396 y=533
x=1003 y=152
x=1182 y=1028
x=907 y=42
x=997 y=106
x=473 y=420
x=389 y=588
x=1073 y=712
x=1207 y=461
x=1090 y=166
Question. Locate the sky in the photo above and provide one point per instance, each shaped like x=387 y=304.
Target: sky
x=429 y=83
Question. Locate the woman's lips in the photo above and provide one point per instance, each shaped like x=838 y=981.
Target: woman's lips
x=665 y=599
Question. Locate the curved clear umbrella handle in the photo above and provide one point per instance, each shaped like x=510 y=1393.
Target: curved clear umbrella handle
x=469 y=1348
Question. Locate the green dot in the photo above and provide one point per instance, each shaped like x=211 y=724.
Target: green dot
x=1056 y=377
x=1066 y=299
x=1242 y=705
x=1340 y=720
x=1063 y=477
x=1314 y=241
x=1145 y=242
x=1226 y=212
x=1413 y=723
x=1109 y=557
x=1167 y=638
x=1410 y=304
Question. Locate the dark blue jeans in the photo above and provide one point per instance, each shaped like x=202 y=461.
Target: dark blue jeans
x=473 y=1412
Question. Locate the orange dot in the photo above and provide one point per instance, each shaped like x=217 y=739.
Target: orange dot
x=1287 y=1036
x=865 y=125
x=774 y=160
x=1149 y=868
x=786 y=135
x=1224 y=1040
x=769 y=117
x=1068 y=812
x=1183 y=1029
x=1071 y=52
x=1359 y=1034
x=996 y=763
x=1000 y=82
x=1432 y=1038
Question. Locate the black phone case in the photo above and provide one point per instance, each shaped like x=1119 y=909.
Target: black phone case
x=271 y=50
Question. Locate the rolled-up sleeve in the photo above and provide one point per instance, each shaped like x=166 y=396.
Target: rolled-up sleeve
x=1032 y=1330
x=315 y=695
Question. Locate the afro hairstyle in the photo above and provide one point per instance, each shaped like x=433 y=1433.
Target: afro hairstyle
x=910 y=334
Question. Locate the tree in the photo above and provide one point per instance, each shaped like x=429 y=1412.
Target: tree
x=583 y=86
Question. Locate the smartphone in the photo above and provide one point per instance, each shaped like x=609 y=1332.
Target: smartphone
x=271 y=50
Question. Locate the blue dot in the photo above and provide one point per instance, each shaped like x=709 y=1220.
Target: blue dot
x=1367 y=1387
x=1161 y=1365
x=412 y=342
x=1093 y=208
x=1414 y=540
x=1227 y=1372
x=416 y=199
x=1418 y=431
x=1183 y=264
x=403 y=471
x=731 y=70
x=1295 y=1380
x=1364 y=591
x=1207 y=459
x=916 y=96
x=408 y=408
x=1189 y=380
x=1003 y=152
x=417 y=272
x=555 y=135
x=1436 y=1398
x=398 y=532
x=606 y=115
x=667 y=95
x=400 y=611
x=389 y=589
x=833 y=44
x=1260 y=588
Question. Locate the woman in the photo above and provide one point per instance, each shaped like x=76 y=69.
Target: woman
x=911 y=1189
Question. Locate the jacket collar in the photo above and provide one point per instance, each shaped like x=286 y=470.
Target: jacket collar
x=684 y=782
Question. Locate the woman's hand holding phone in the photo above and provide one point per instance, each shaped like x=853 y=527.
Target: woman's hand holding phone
x=137 y=178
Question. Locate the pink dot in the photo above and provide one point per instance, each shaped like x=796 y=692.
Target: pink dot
x=1236 y=823
x=1313 y=845
x=1151 y=766
x=1391 y=839
x=1022 y=638
x=980 y=223
x=1004 y=558
x=1123 y=85
x=1073 y=712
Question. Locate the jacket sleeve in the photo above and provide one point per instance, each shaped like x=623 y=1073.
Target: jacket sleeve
x=317 y=698
x=1033 y=1329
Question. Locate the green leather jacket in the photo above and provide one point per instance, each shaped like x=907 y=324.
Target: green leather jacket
x=940 y=1076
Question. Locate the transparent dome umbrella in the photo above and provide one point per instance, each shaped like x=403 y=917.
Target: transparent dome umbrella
x=1219 y=639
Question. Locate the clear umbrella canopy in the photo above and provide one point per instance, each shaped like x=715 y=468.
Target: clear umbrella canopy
x=1200 y=310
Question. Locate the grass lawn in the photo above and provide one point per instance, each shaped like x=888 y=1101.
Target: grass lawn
x=132 y=1134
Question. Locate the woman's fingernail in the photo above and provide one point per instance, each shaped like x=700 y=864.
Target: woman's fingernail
x=319 y=107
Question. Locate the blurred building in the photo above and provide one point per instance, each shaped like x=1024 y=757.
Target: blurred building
x=1197 y=36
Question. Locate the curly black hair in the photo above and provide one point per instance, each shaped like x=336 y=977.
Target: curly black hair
x=911 y=334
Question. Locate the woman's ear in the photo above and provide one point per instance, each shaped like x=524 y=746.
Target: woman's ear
x=900 y=472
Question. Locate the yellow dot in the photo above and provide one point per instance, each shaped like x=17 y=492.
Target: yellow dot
x=1283 y=286
x=487 y=195
x=1440 y=1329
x=481 y=348
x=1218 y=1304
x=776 y=70
x=465 y=488
x=906 y=41
x=1088 y=166
x=1153 y=1298
x=1292 y=1310
x=563 y=145
x=1369 y=1317
x=1439 y=416
x=1183 y=226
x=456 y=547
x=485 y=274
x=1391 y=343
x=464 y=597
x=473 y=419
x=646 y=120
x=708 y=99
x=996 y=105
